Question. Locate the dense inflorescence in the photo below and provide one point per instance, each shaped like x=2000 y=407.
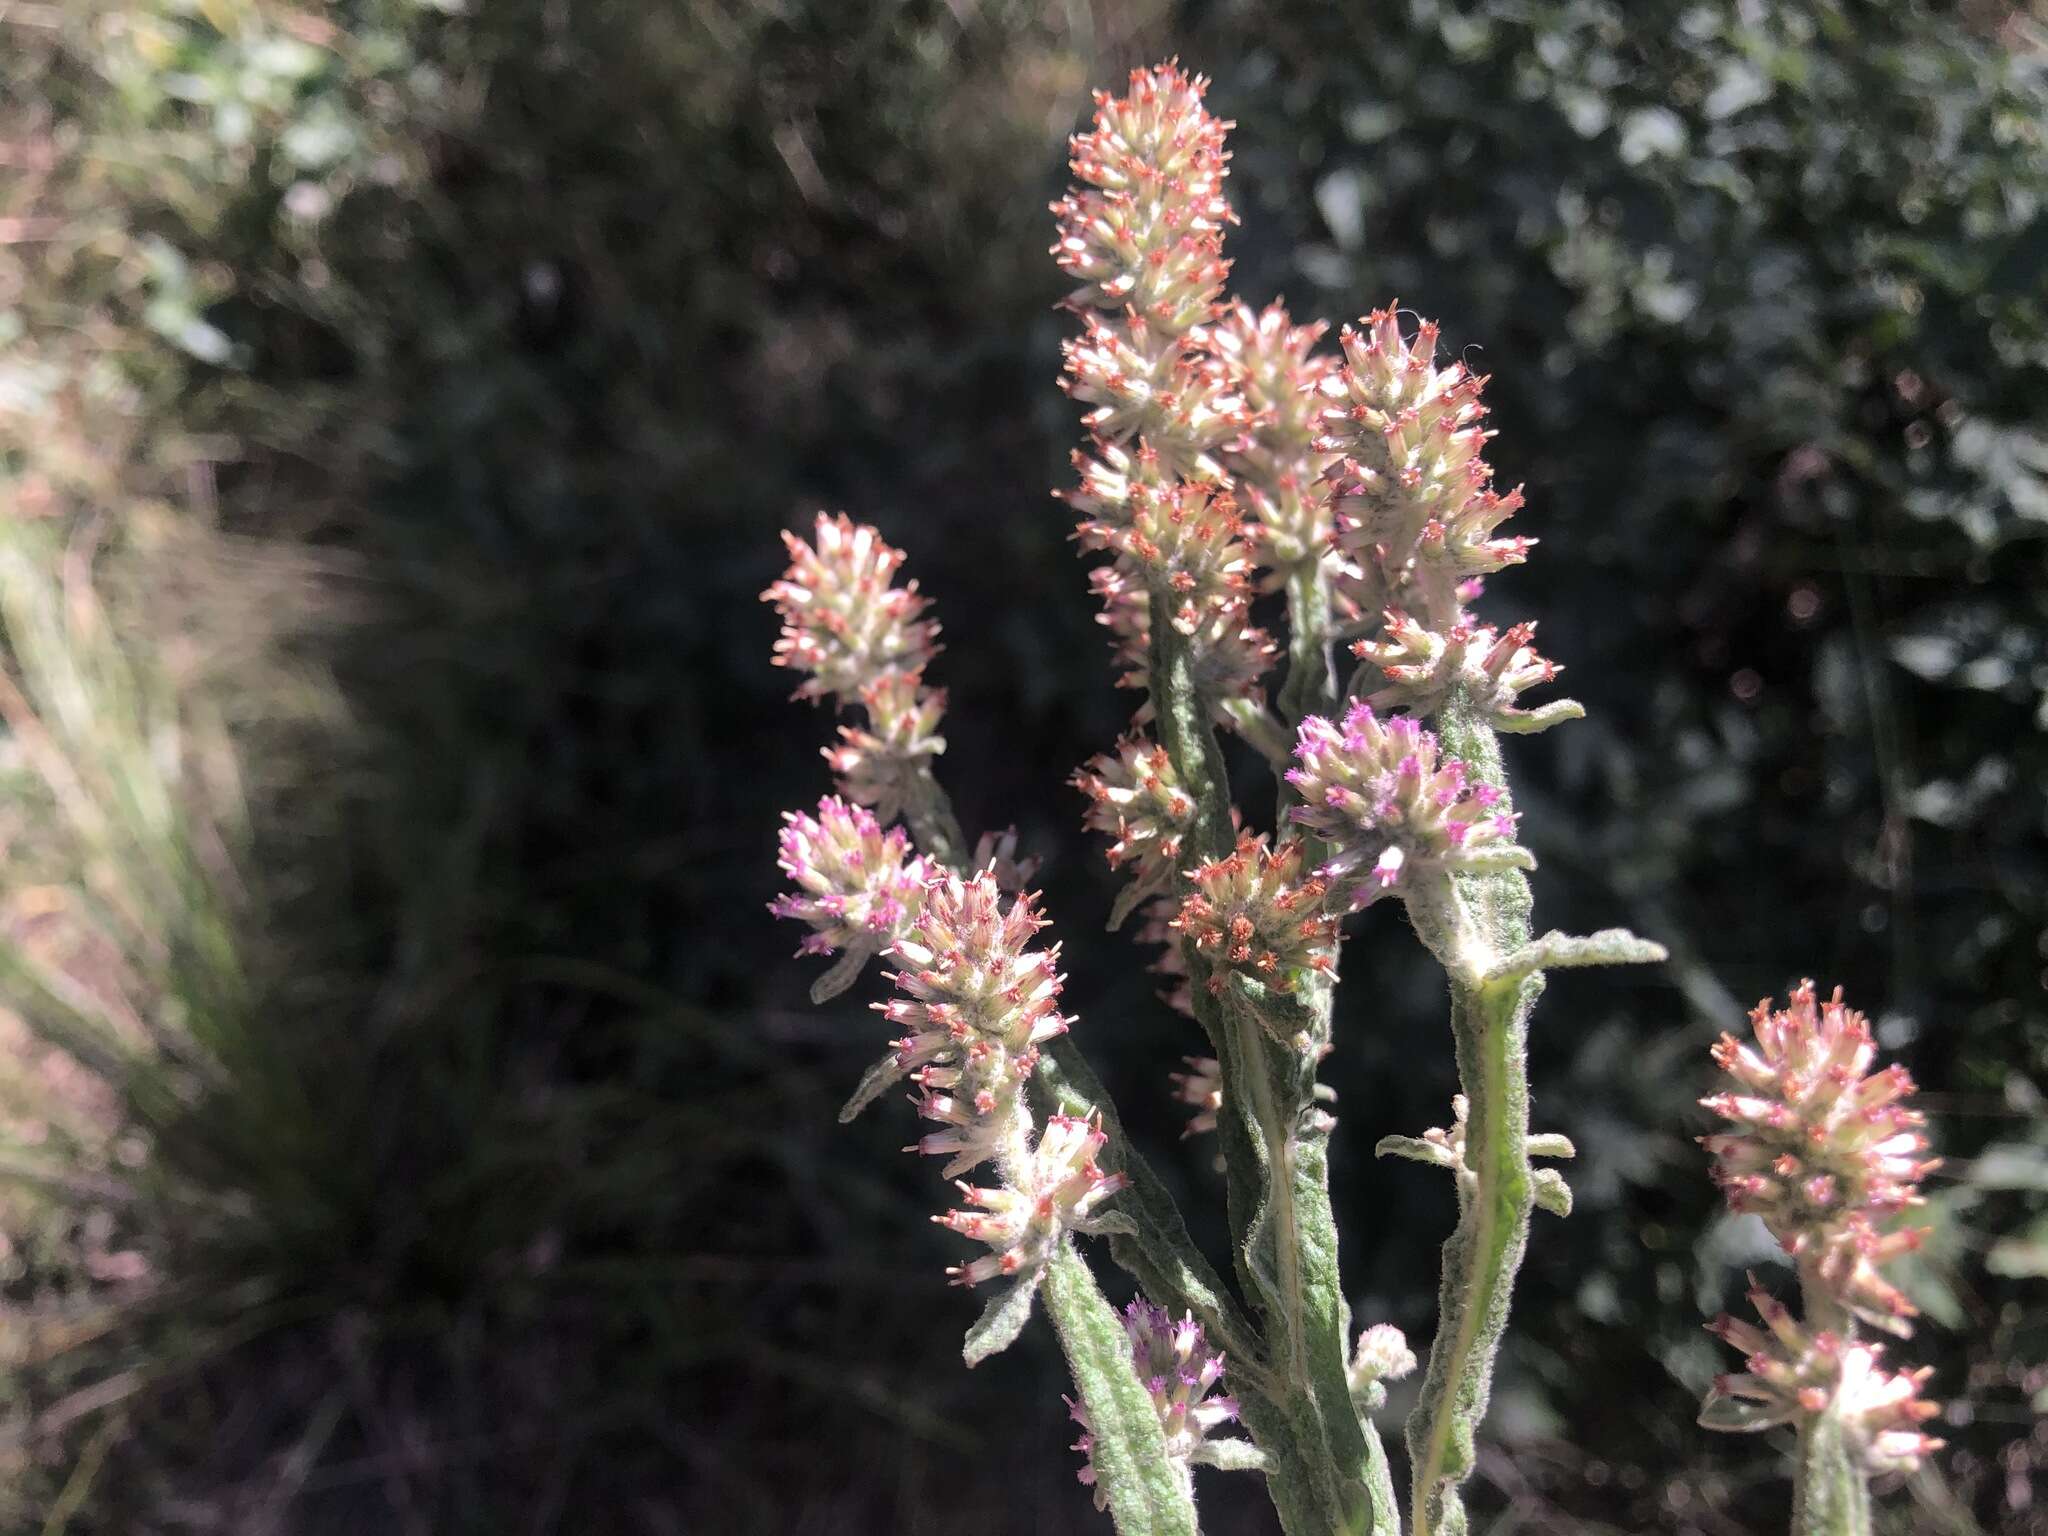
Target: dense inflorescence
x=1397 y=812
x=1411 y=491
x=1795 y=1376
x=1180 y=1372
x=1259 y=911
x=1822 y=1148
x=856 y=885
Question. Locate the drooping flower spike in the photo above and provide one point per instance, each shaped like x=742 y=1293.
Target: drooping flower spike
x=843 y=622
x=1794 y=1376
x=1394 y=810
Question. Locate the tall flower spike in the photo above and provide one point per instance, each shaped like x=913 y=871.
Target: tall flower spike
x=1271 y=366
x=1257 y=910
x=1821 y=1147
x=1143 y=231
x=842 y=620
x=1180 y=1372
x=1411 y=489
x=1793 y=1376
x=1395 y=811
x=858 y=887
x=1136 y=799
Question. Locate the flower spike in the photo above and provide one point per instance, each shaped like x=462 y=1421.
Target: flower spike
x=843 y=623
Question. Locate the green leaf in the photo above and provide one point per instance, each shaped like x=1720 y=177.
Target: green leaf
x=1556 y=951
x=875 y=1082
x=1002 y=1319
x=844 y=973
x=1229 y=1456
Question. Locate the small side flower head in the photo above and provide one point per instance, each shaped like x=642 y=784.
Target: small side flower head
x=1379 y=793
x=974 y=1001
x=878 y=765
x=1059 y=1187
x=1421 y=666
x=1382 y=1355
x=1176 y=400
x=1259 y=911
x=1180 y=1370
x=1135 y=799
x=1407 y=475
x=1273 y=368
x=1186 y=540
x=1143 y=232
x=856 y=885
x=1231 y=652
x=1792 y=1376
x=842 y=620
x=1820 y=1146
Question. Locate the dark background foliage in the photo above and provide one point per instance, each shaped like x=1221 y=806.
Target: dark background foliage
x=490 y=348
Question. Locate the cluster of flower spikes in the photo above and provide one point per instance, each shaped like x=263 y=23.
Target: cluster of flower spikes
x=1259 y=911
x=1398 y=815
x=975 y=1001
x=1792 y=1375
x=1825 y=1152
x=1180 y=1371
x=1275 y=371
x=1143 y=228
x=1411 y=491
x=862 y=639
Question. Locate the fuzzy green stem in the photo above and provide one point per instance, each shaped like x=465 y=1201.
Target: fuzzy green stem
x=1311 y=687
x=1479 y=920
x=1276 y=1169
x=929 y=810
x=1829 y=1495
